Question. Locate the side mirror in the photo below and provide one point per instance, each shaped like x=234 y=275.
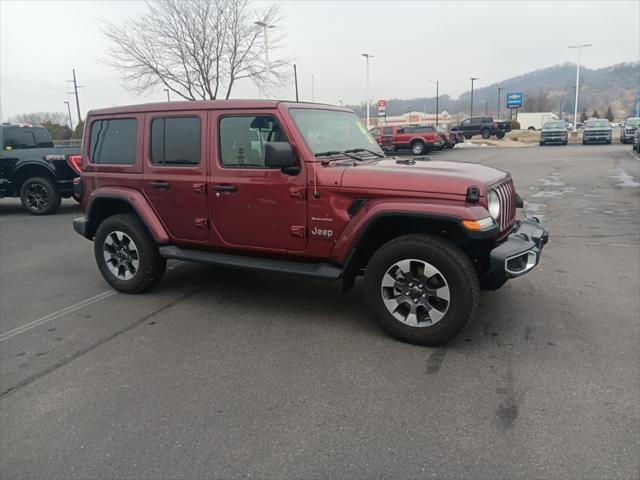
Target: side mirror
x=280 y=155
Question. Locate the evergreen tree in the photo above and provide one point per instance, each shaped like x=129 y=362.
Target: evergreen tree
x=77 y=133
x=583 y=116
x=595 y=114
x=609 y=114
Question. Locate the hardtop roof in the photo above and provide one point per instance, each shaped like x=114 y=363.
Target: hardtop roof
x=208 y=105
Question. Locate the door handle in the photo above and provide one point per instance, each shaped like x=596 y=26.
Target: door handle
x=160 y=185
x=225 y=188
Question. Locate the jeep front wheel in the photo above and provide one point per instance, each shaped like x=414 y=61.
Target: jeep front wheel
x=421 y=289
x=127 y=255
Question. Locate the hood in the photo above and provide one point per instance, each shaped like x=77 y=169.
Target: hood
x=452 y=178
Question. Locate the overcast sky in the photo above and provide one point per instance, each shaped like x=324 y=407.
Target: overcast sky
x=41 y=41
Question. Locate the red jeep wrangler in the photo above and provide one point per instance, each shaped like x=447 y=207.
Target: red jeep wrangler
x=420 y=139
x=303 y=189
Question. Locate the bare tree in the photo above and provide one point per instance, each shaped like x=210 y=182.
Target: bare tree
x=40 y=118
x=198 y=49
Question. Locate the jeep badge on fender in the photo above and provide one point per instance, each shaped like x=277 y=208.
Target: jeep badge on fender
x=239 y=182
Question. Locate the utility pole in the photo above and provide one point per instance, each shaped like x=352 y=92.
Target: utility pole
x=69 y=110
x=368 y=56
x=75 y=92
x=499 y=106
x=486 y=108
x=167 y=90
x=575 y=111
x=295 y=79
x=473 y=79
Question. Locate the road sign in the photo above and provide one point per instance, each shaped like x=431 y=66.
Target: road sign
x=514 y=100
x=382 y=110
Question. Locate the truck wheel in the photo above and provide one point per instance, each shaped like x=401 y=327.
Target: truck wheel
x=532 y=129
x=421 y=289
x=500 y=135
x=126 y=254
x=418 y=148
x=486 y=133
x=468 y=137
x=39 y=196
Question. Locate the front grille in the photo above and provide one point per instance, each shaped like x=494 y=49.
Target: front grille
x=506 y=193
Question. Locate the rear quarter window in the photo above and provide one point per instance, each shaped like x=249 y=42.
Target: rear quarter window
x=113 y=141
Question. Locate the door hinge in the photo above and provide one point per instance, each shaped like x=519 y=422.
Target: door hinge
x=298 y=231
x=297 y=192
x=201 y=223
x=200 y=188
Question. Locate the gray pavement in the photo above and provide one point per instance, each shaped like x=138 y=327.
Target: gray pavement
x=223 y=374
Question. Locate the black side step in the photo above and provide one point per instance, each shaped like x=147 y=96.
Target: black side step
x=326 y=271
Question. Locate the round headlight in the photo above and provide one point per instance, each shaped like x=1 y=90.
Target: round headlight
x=493 y=204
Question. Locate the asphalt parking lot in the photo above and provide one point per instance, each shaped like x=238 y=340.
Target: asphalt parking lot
x=223 y=373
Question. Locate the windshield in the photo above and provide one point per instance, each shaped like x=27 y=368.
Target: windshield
x=632 y=122
x=598 y=123
x=327 y=130
x=555 y=125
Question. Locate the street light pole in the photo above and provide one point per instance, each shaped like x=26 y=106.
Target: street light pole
x=69 y=110
x=437 y=98
x=473 y=79
x=499 y=90
x=265 y=27
x=575 y=110
x=367 y=56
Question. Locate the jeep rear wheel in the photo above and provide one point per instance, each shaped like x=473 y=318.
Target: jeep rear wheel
x=418 y=148
x=127 y=255
x=421 y=289
x=39 y=196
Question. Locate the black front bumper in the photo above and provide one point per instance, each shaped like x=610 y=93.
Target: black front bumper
x=520 y=252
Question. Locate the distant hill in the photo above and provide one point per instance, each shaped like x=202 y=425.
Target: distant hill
x=548 y=89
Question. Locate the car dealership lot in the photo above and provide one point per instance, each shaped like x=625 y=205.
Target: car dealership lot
x=229 y=373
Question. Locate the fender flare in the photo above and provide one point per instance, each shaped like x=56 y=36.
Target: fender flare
x=34 y=163
x=137 y=202
x=376 y=210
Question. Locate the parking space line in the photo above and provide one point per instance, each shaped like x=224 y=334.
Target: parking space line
x=633 y=154
x=55 y=315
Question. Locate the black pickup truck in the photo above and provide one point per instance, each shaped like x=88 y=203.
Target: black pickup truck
x=485 y=126
x=32 y=168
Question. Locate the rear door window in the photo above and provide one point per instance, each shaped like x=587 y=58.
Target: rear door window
x=114 y=141
x=175 y=141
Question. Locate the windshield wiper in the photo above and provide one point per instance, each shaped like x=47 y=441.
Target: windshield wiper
x=356 y=150
x=330 y=153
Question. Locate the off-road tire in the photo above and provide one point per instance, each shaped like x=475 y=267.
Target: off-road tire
x=486 y=133
x=457 y=270
x=39 y=196
x=468 y=137
x=151 y=265
x=500 y=135
x=418 y=148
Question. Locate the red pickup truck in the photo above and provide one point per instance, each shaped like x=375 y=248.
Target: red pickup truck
x=302 y=189
x=420 y=139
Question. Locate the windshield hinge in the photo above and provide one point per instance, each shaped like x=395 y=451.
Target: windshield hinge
x=298 y=230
